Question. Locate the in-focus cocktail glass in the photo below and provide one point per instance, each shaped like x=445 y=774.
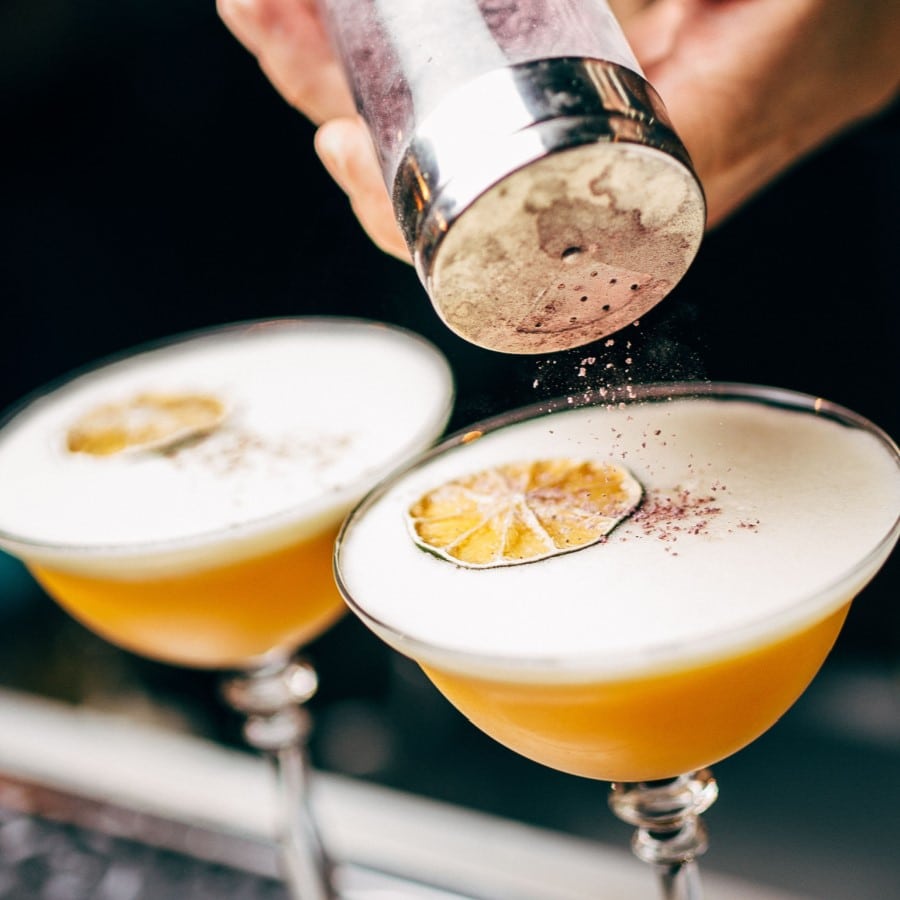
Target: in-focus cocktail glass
x=182 y=502
x=748 y=519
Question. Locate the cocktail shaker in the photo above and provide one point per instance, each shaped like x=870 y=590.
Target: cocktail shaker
x=545 y=198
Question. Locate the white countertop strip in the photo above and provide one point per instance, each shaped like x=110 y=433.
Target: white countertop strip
x=200 y=785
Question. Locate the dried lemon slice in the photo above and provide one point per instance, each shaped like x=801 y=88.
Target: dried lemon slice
x=147 y=421
x=525 y=511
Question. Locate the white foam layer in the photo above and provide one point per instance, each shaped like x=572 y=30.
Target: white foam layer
x=319 y=410
x=795 y=503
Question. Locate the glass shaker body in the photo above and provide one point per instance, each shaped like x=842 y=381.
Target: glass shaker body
x=545 y=199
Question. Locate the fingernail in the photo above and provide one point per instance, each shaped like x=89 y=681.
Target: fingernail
x=238 y=6
x=245 y=13
x=332 y=151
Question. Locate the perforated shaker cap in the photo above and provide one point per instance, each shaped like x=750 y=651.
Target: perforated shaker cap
x=540 y=235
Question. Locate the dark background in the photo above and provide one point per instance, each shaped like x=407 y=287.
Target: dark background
x=153 y=182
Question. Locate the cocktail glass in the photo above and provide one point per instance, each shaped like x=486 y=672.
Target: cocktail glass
x=182 y=502
x=675 y=640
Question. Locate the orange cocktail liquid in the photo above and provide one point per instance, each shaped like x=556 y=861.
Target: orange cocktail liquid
x=218 y=617
x=647 y=727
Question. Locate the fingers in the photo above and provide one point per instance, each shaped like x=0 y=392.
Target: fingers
x=652 y=29
x=288 y=39
x=752 y=86
x=623 y=10
x=346 y=151
x=695 y=55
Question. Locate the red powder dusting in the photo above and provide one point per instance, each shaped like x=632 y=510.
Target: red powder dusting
x=667 y=516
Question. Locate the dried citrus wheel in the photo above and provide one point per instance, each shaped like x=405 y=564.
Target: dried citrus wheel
x=145 y=422
x=525 y=511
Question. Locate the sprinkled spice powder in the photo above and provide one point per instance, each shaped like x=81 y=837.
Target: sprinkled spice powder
x=666 y=516
x=234 y=449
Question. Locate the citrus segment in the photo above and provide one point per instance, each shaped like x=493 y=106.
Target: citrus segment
x=147 y=421
x=524 y=511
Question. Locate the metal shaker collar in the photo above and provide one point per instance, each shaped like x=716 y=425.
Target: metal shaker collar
x=548 y=204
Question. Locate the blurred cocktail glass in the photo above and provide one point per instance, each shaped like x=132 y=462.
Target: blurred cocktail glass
x=631 y=590
x=182 y=502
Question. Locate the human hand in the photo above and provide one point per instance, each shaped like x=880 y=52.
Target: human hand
x=288 y=39
x=751 y=85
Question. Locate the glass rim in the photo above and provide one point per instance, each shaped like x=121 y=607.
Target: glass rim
x=341 y=497
x=577 y=668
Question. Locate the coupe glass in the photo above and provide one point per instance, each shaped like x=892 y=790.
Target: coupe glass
x=677 y=639
x=234 y=571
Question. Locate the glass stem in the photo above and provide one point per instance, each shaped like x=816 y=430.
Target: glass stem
x=670 y=833
x=277 y=724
